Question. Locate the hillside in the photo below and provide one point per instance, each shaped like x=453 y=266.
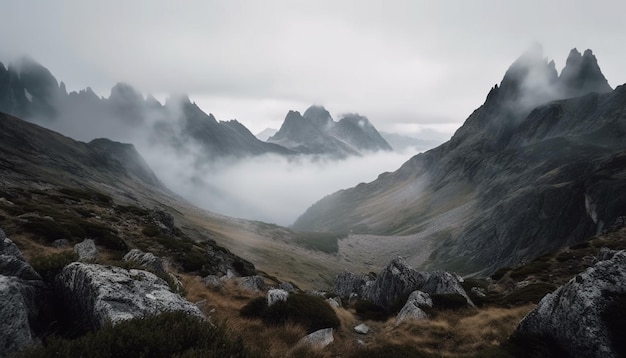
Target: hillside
x=530 y=171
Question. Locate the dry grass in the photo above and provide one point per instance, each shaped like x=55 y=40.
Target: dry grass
x=458 y=333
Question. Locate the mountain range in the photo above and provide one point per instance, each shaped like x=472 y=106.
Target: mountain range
x=538 y=166
x=28 y=90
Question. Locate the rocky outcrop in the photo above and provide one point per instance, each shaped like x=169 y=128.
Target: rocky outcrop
x=576 y=316
x=21 y=291
x=212 y=281
x=221 y=261
x=252 y=283
x=414 y=307
x=96 y=294
x=86 y=250
x=395 y=282
x=287 y=287
x=276 y=295
x=318 y=339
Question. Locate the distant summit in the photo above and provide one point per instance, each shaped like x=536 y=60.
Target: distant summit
x=315 y=132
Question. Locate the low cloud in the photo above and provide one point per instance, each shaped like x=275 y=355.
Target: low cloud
x=270 y=188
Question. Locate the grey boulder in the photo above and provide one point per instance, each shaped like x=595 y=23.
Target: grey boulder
x=414 y=307
x=276 y=295
x=86 y=250
x=318 y=339
x=574 y=315
x=98 y=294
x=145 y=259
x=252 y=283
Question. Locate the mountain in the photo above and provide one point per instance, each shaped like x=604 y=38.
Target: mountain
x=265 y=134
x=315 y=132
x=533 y=169
x=28 y=90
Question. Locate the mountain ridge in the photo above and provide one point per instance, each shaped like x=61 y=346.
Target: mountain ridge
x=473 y=197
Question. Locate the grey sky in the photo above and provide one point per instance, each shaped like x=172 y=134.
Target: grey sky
x=407 y=65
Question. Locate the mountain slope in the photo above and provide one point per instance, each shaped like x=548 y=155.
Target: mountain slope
x=315 y=132
x=519 y=178
x=28 y=90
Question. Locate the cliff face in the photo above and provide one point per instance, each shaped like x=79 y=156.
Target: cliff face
x=526 y=173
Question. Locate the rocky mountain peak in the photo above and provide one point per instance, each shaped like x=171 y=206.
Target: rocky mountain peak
x=582 y=75
x=319 y=116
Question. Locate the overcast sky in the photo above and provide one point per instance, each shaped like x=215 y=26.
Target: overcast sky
x=409 y=66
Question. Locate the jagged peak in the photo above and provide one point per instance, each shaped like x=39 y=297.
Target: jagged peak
x=582 y=75
x=124 y=90
x=318 y=115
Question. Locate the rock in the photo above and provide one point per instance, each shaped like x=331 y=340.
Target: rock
x=13 y=264
x=413 y=308
x=212 y=281
x=96 y=294
x=61 y=243
x=347 y=283
x=572 y=315
x=396 y=280
x=15 y=330
x=21 y=291
x=287 y=287
x=441 y=282
x=318 y=339
x=163 y=220
x=223 y=262
x=146 y=259
x=86 y=250
x=606 y=254
x=334 y=301
x=276 y=295
x=252 y=283
x=479 y=292
x=362 y=328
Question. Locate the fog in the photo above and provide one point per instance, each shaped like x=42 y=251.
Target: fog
x=270 y=188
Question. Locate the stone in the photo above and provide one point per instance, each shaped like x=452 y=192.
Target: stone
x=347 y=283
x=86 y=250
x=21 y=291
x=413 y=308
x=362 y=329
x=276 y=295
x=572 y=315
x=96 y=294
x=146 y=259
x=334 y=301
x=479 y=292
x=252 y=283
x=212 y=281
x=318 y=339
x=442 y=282
x=286 y=286
x=395 y=281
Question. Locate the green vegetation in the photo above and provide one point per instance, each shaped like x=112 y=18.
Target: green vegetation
x=165 y=335
x=532 y=268
x=86 y=194
x=448 y=301
x=312 y=312
x=367 y=310
x=49 y=266
x=532 y=293
x=321 y=241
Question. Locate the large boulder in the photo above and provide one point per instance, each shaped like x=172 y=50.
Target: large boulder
x=97 y=294
x=442 y=282
x=252 y=283
x=577 y=315
x=414 y=307
x=347 y=283
x=395 y=282
x=276 y=295
x=21 y=291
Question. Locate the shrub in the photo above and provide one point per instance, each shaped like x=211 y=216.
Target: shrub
x=448 y=301
x=87 y=194
x=531 y=268
x=150 y=230
x=500 y=273
x=165 y=335
x=49 y=230
x=312 y=312
x=367 y=310
x=532 y=293
x=49 y=266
